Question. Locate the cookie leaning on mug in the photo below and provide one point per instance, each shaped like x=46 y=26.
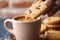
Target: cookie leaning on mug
x=38 y=9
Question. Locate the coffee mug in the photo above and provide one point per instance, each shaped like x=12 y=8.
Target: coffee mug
x=23 y=30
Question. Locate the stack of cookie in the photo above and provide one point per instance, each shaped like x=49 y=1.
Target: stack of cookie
x=51 y=28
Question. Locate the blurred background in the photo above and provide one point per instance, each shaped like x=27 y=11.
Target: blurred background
x=9 y=9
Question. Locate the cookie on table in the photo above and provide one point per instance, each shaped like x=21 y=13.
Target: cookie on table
x=52 y=20
x=53 y=25
x=43 y=28
x=52 y=35
x=57 y=14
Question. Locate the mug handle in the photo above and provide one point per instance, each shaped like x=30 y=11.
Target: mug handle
x=7 y=27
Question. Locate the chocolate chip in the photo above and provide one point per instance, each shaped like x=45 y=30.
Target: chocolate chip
x=48 y=33
x=39 y=5
x=30 y=11
x=37 y=8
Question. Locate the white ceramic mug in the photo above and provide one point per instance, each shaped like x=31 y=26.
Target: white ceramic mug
x=23 y=30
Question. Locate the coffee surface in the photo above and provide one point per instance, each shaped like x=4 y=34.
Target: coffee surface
x=24 y=19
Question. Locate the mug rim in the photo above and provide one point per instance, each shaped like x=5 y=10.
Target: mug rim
x=25 y=21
